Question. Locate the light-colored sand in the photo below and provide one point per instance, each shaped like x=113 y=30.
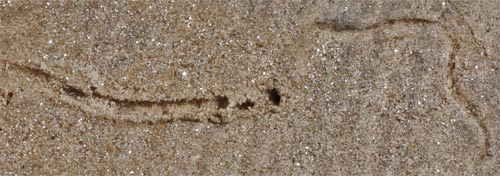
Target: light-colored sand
x=249 y=87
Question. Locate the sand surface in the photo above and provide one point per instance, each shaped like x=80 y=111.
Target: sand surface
x=250 y=87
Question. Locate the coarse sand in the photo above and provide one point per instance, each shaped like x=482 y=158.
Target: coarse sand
x=250 y=87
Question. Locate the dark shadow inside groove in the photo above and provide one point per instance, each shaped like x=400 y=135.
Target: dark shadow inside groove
x=274 y=96
x=246 y=105
x=9 y=98
x=72 y=91
x=222 y=102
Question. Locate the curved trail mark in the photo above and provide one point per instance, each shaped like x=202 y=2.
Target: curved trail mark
x=469 y=109
x=337 y=26
x=215 y=109
x=465 y=103
x=461 y=19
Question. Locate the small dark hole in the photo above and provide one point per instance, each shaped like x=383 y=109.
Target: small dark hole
x=93 y=88
x=246 y=105
x=274 y=96
x=222 y=102
x=9 y=97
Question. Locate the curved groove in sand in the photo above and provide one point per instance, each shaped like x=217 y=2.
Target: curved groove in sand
x=336 y=26
x=476 y=41
x=467 y=107
x=96 y=103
